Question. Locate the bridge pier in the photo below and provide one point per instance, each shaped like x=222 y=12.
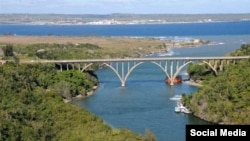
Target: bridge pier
x=123 y=84
x=171 y=82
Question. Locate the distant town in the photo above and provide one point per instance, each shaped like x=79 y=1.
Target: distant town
x=114 y=19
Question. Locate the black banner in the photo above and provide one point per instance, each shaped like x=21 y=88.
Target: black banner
x=235 y=132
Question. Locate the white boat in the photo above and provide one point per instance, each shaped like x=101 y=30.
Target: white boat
x=181 y=108
x=176 y=97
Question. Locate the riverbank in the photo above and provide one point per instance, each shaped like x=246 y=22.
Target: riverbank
x=78 y=97
x=193 y=83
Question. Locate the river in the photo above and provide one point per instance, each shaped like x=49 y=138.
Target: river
x=144 y=103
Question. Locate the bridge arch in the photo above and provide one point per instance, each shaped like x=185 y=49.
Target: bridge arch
x=86 y=66
x=164 y=69
x=180 y=68
x=213 y=68
x=171 y=76
x=123 y=77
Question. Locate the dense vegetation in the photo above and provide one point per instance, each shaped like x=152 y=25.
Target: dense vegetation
x=58 y=51
x=224 y=98
x=199 y=72
x=32 y=107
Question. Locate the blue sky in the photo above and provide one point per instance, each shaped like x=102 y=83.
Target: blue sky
x=125 y=6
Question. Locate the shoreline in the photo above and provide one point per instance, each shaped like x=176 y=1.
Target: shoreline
x=79 y=97
x=192 y=83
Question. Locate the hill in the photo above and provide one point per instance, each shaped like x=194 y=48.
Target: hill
x=224 y=99
x=31 y=107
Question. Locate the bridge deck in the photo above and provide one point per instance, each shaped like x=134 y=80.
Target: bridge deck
x=137 y=59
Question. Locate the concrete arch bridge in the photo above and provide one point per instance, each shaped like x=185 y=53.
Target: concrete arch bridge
x=171 y=66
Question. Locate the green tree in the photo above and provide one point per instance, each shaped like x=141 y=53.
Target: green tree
x=8 y=50
x=63 y=88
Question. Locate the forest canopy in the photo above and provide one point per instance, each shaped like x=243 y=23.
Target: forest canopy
x=224 y=98
x=32 y=107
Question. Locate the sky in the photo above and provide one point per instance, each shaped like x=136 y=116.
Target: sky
x=125 y=6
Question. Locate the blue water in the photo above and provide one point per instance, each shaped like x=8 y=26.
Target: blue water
x=183 y=29
x=145 y=101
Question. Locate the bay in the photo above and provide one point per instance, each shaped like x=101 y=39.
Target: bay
x=182 y=29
